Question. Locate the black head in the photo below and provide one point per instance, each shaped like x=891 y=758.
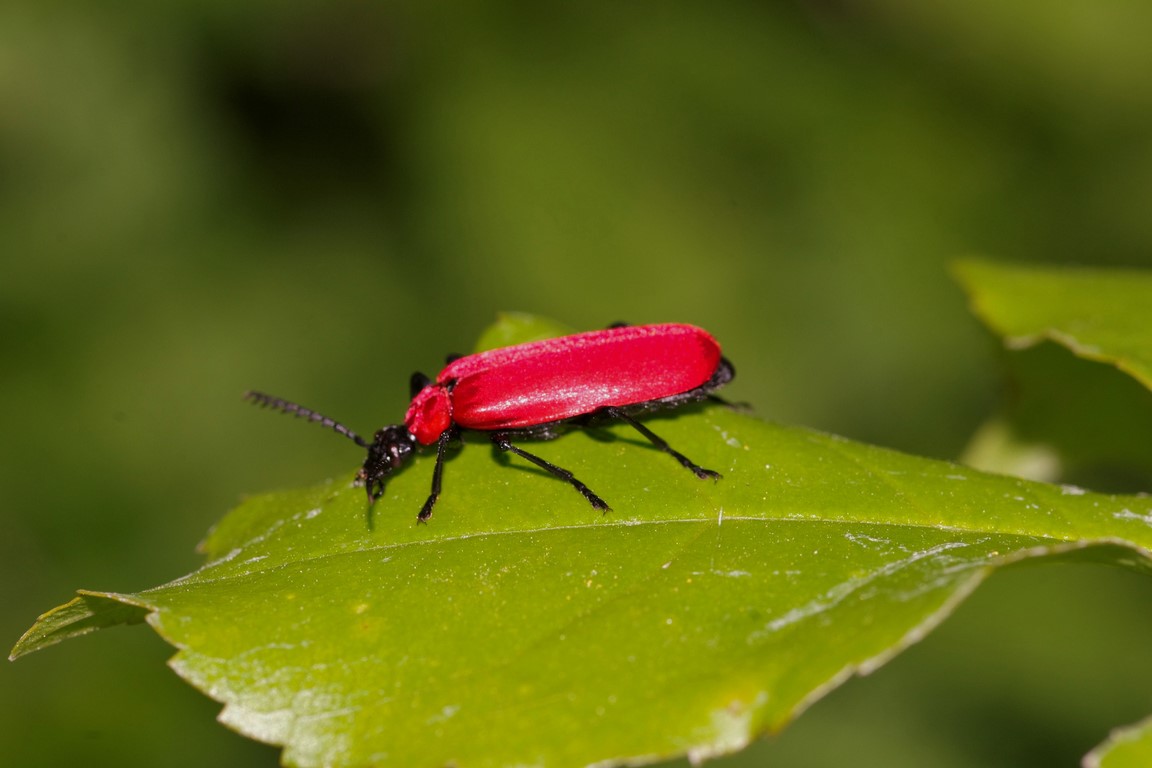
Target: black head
x=391 y=447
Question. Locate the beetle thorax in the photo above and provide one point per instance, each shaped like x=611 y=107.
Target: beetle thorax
x=430 y=413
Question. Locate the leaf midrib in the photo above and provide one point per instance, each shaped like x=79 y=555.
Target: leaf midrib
x=192 y=578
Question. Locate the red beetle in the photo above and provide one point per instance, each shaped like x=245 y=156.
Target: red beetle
x=534 y=390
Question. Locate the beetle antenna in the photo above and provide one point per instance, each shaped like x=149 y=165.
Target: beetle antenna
x=284 y=406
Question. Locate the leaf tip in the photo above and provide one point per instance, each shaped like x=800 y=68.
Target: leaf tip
x=87 y=612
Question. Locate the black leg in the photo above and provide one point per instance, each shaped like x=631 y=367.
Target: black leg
x=501 y=441
x=741 y=407
x=417 y=383
x=656 y=440
x=437 y=473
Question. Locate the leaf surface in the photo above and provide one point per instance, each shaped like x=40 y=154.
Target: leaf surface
x=1129 y=747
x=1102 y=315
x=520 y=627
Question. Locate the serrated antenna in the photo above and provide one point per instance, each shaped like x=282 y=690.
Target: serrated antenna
x=299 y=411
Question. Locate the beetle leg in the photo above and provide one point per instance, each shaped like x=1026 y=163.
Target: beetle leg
x=437 y=472
x=659 y=442
x=417 y=383
x=502 y=442
x=740 y=407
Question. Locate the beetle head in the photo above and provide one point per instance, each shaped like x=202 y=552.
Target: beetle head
x=390 y=448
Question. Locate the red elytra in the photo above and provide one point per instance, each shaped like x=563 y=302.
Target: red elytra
x=536 y=390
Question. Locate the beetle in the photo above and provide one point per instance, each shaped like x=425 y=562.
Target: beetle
x=535 y=391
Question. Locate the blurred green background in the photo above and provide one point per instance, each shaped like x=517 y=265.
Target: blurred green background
x=316 y=199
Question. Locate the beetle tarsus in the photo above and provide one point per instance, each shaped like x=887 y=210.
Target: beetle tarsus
x=426 y=510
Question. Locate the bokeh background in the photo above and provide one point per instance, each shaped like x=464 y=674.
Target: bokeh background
x=316 y=198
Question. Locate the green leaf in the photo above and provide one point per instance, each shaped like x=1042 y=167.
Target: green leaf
x=87 y=612
x=521 y=627
x=1069 y=418
x=1102 y=315
x=1126 y=748
x=519 y=328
